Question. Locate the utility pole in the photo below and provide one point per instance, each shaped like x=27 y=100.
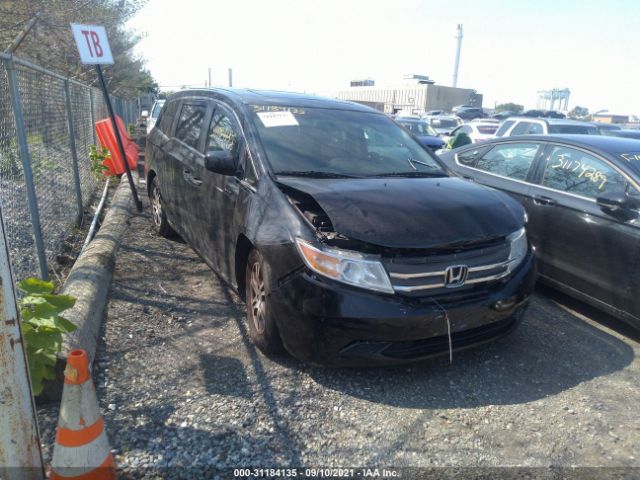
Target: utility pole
x=209 y=77
x=230 y=77
x=457 y=63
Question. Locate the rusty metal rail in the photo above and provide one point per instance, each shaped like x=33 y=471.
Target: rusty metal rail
x=20 y=455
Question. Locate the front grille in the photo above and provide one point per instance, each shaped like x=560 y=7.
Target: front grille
x=420 y=276
x=405 y=350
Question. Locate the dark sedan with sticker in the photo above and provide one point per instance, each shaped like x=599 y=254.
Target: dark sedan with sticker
x=351 y=243
x=582 y=195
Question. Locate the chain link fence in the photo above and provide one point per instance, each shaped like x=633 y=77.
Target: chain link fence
x=46 y=181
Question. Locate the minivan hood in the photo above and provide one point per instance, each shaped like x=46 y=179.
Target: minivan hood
x=401 y=212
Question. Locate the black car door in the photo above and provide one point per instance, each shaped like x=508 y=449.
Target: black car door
x=185 y=154
x=580 y=244
x=218 y=195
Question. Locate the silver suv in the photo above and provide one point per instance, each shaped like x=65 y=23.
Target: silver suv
x=543 y=126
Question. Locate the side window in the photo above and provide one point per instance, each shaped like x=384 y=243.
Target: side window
x=166 y=117
x=506 y=125
x=535 y=129
x=521 y=128
x=190 y=123
x=511 y=160
x=469 y=157
x=573 y=171
x=222 y=134
x=466 y=129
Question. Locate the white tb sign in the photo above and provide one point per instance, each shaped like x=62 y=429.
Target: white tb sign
x=92 y=43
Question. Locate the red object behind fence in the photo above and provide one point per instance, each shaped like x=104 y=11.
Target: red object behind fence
x=107 y=138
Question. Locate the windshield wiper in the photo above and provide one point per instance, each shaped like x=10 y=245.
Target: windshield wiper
x=411 y=174
x=412 y=161
x=314 y=174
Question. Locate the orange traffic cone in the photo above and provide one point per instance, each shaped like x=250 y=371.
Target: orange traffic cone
x=82 y=448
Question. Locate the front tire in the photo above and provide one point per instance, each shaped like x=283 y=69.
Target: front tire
x=263 y=330
x=160 y=222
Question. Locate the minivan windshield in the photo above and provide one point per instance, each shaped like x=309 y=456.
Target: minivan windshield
x=339 y=143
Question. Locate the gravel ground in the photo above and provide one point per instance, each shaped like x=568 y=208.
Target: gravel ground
x=181 y=387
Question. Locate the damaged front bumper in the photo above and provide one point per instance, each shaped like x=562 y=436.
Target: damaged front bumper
x=326 y=323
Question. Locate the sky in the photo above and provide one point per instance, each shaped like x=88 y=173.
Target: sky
x=510 y=50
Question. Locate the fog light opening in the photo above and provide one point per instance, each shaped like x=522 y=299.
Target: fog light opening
x=506 y=304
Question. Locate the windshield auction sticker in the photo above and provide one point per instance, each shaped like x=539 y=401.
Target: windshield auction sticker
x=277 y=119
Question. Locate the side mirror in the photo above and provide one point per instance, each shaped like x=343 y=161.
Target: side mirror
x=613 y=201
x=221 y=161
x=144 y=113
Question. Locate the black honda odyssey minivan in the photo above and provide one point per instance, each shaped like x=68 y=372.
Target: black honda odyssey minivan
x=351 y=243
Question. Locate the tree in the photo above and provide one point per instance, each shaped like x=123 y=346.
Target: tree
x=51 y=45
x=509 y=107
x=579 y=112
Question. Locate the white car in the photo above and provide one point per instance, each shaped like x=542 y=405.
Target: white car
x=477 y=131
x=153 y=116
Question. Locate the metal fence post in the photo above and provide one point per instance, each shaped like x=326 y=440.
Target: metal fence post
x=74 y=152
x=93 y=117
x=26 y=165
x=20 y=455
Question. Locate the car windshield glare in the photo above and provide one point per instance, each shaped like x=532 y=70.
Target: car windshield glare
x=325 y=142
x=443 y=123
x=418 y=128
x=632 y=159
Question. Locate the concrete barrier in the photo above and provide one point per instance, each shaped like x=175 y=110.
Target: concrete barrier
x=89 y=281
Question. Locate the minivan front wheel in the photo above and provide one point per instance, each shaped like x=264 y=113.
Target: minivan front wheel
x=262 y=326
x=160 y=221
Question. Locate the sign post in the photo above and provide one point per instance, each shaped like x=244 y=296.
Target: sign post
x=93 y=47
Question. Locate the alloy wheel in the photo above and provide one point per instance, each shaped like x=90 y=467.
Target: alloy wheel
x=257 y=297
x=156 y=205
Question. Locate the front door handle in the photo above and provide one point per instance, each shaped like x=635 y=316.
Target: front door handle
x=188 y=176
x=542 y=200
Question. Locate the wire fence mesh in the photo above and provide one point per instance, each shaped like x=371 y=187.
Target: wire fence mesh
x=33 y=102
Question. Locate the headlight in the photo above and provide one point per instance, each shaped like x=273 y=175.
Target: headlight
x=346 y=267
x=518 y=247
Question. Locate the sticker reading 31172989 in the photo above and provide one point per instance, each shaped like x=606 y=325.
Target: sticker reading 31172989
x=277 y=119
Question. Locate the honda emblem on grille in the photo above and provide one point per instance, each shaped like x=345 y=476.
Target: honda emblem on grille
x=455 y=276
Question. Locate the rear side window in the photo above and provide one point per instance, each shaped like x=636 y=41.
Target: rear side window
x=522 y=128
x=574 y=171
x=512 y=160
x=502 y=129
x=487 y=129
x=574 y=129
x=190 y=123
x=166 y=117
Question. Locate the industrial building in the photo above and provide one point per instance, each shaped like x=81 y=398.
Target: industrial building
x=416 y=95
x=610 y=118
